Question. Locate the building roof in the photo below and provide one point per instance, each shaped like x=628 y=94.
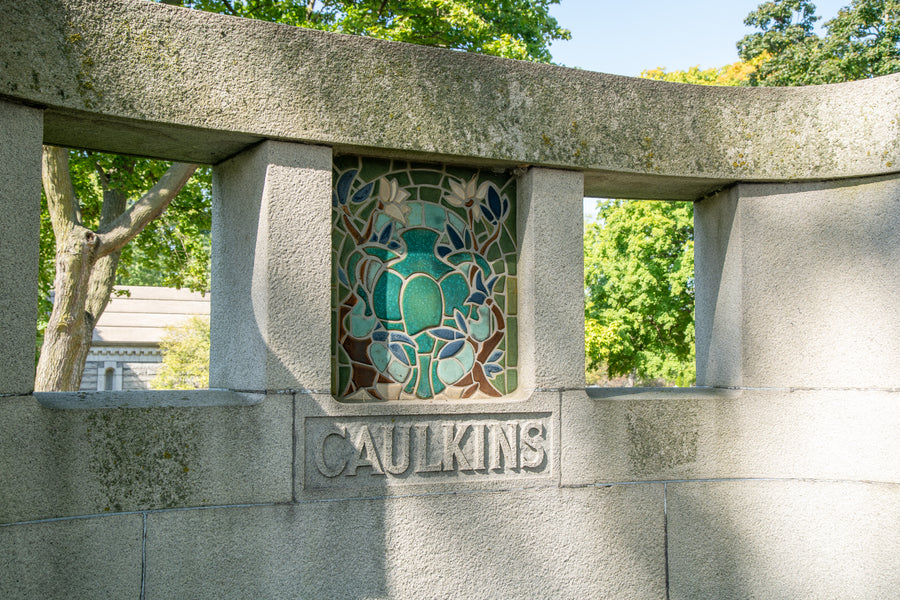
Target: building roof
x=141 y=317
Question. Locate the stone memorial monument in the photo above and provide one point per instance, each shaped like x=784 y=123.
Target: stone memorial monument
x=397 y=404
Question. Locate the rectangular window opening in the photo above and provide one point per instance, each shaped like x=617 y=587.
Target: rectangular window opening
x=153 y=333
x=639 y=293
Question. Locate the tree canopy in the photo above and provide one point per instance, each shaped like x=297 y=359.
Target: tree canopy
x=185 y=350
x=862 y=41
x=520 y=29
x=639 y=277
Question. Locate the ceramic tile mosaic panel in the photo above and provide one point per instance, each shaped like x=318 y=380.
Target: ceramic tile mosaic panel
x=423 y=281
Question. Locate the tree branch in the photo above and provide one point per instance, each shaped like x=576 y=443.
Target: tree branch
x=61 y=202
x=121 y=231
x=103 y=274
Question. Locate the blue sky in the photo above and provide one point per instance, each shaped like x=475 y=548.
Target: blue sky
x=627 y=36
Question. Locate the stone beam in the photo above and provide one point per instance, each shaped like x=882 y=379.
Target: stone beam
x=139 y=77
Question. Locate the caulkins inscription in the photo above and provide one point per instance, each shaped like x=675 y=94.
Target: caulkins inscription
x=387 y=451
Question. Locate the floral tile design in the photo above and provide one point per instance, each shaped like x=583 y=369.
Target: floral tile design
x=423 y=281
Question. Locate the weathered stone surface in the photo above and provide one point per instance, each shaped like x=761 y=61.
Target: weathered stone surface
x=144 y=399
x=217 y=83
x=549 y=543
x=58 y=463
x=77 y=558
x=798 y=285
x=551 y=279
x=438 y=447
x=783 y=539
x=20 y=205
x=664 y=434
x=271 y=272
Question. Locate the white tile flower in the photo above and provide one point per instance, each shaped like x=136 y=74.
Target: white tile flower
x=468 y=195
x=393 y=198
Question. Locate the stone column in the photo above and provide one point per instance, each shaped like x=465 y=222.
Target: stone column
x=21 y=129
x=551 y=279
x=798 y=285
x=271 y=269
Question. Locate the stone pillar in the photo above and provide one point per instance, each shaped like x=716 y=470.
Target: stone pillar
x=21 y=129
x=551 y=279
x=798 y=285
x=271 y=269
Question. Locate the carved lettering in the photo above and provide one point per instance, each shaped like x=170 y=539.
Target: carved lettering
x=422 y=465
x=505 y=444
x=324 y=468
x=389 y=465
x=532 y=444
x=364 y=444
x=478 y=446
x=452 y=448
x=408 y=449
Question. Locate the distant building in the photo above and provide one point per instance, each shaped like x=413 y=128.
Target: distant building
x=125 y=352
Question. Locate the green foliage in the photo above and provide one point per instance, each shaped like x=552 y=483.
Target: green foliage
x=862 y=41
x=639 y=280
x=185 y=350
x=520 y=29
x=173 y=250
x=732 y=75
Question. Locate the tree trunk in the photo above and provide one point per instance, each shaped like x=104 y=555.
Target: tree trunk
x=86 y=263
x=70 y=327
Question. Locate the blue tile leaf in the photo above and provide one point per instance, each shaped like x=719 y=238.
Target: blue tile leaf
x=485 y=209
x=477 y=298
x=445 y=333
x=494 y=201
x=386 y=233
x=343 y=277
x=460 y=320
x=397 y=336
x=444 y=251
x=343 y=185
x=364 y=192
x=479 y=284
x=495 y=356
x=397 y=350
x=380 y=336
x=451 y=349
x=492 y=370
x=455 y=238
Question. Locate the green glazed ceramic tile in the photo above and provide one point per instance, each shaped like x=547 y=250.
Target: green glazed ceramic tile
x=422 y=306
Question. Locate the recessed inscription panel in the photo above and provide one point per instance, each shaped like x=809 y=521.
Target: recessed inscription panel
x=389 y=451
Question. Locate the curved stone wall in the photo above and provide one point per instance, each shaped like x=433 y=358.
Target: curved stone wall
x=217 y=84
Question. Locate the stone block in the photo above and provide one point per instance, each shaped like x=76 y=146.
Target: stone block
x=98 y=557
x=666 y=434
x=551 y=279
x=783 y=539
x=798 y=285
x=21 y=129
x=401 y=448
x=59 y=463
x=271 y=312
x=360 y=94
x=527 y=543
x=717 y=283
